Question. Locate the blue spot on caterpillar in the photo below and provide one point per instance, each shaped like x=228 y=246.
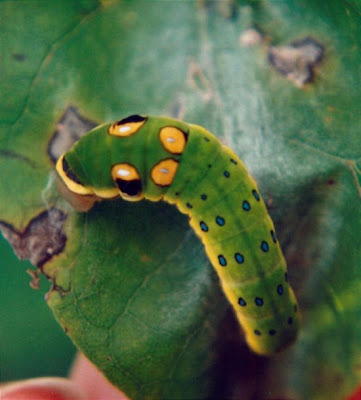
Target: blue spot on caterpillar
x=239 y=258
x=187 y=166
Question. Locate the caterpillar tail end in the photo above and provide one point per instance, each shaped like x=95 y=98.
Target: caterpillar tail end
x=266 y=338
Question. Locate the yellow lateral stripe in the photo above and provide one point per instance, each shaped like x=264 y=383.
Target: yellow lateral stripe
x=70 y=184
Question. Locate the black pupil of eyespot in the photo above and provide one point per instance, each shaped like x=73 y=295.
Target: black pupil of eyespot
x=131 y=188
x=131 y=118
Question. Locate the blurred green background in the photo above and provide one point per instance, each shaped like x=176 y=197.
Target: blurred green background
x=31 y=342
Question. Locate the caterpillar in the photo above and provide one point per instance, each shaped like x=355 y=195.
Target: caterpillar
x=159 y=158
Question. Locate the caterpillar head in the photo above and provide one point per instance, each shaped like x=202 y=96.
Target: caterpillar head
x=79 y=196
x=86 y=171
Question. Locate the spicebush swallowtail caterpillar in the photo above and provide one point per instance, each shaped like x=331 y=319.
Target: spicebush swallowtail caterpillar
x=160 y=158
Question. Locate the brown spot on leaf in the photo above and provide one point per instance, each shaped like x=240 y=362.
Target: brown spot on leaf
x=41 y=239
x=198 y=81
x=297 y=60
x=70 y=128
x=34 y=283
x=251 y=37
x=54 y=288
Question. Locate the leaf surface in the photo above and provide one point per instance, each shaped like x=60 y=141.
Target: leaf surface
x=131 y=284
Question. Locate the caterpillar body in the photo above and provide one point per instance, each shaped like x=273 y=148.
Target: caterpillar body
x=159 y=158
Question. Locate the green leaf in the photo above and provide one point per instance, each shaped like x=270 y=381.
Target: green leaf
x=131 y=285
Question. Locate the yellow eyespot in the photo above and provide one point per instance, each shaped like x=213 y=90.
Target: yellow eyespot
x=70 y=179
x=127 y=126
x=125 y=172
x=128 y=181
x=173 y=139
x=164 y=172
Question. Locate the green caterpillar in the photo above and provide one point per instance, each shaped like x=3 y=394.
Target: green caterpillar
x=160 y=158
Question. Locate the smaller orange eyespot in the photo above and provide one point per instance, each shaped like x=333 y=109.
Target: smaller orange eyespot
x=128 y=181
x=127 y=126
x=125 y=172
x=164 y=172
x=173 y=139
